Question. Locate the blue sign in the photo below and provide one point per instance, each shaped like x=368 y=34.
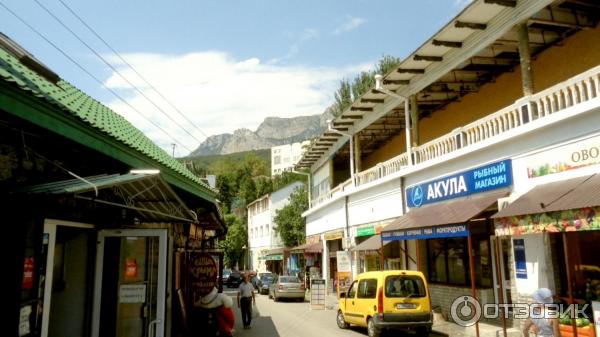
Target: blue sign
x=438 y=232
x=520 y=264
x=481 y=179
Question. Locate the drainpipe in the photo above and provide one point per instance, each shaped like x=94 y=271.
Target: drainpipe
x=379 y=87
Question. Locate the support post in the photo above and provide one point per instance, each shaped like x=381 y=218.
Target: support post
x=357 y=154
x=414 y=119
x=525 y=59
x=472 y=272
x=407 y=131
x=569 y=281
x=331 y=172
x=500 y=281
x=352 y=159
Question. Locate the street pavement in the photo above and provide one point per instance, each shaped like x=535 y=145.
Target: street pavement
x=289 y=318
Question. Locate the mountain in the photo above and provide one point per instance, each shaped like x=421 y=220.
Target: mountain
x=271 y=132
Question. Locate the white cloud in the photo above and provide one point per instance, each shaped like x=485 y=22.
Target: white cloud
x=306 y=35
x=219 y=93
x=350 y=24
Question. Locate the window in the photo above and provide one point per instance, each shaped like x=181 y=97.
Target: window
x=267 y=230
x=276 y=160
x=449 y=261
x=261 y=231
x=404 y=286
x=352 y=290
x=367 y=288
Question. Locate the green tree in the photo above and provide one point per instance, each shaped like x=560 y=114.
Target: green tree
x=236 y=239
x=342 y=98
x=291 y=226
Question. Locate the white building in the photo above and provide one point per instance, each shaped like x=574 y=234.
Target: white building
x=475 y=159
x=266 y=248
x=285 y=157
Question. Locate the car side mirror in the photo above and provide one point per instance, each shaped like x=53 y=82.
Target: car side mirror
x=342 y=295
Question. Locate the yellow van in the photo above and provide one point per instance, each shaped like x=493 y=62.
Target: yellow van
x=391 y=299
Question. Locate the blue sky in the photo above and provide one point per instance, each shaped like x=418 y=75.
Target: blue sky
x=226 y=64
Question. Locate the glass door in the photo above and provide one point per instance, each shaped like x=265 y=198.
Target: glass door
x=129 y=290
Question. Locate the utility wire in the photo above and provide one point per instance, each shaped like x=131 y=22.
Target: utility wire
x=88 y=73
x=114 y=69
x=131 y=67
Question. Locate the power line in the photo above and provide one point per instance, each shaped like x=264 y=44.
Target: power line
x=131 y=67
x=114 y=69
x=88 y=73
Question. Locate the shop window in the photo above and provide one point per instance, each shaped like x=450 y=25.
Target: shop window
x=449 y=261
x=367 y=288
x=584 y=265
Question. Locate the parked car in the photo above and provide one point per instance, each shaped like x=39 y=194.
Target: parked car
x=265 y=283
x=234 y=280
x=262 y=276
x=225 y=277
x=286 y=287
x=387 y=300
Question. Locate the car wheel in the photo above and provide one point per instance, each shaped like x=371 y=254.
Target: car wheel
x=341 y=321
x=372 y=329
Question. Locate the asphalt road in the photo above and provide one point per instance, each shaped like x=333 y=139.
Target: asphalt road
x=292 y=319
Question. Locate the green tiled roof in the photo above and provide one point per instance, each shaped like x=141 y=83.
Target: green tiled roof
x=95 y=115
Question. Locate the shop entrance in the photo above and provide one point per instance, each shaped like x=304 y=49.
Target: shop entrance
x=66 y=288
x=501 y=250
x=129 y=290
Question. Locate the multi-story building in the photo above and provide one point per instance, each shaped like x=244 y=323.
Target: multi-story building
x=285 y=157
x=266 y=247
x=471 y=142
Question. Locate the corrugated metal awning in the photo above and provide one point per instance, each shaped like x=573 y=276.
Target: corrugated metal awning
x=450 y=212
x=573 y=193
x=147 y=194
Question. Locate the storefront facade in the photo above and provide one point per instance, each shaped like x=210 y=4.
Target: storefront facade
x=96 y=211
x=551 y=225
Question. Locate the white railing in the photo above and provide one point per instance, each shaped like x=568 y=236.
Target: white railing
x=382 y=170
x=574 y=91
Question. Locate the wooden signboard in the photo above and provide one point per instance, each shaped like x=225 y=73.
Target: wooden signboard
x=203 y=274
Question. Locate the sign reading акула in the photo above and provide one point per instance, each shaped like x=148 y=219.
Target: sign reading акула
x=477 y=180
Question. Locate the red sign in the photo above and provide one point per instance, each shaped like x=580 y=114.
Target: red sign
x=28 y=273
x=131 y=269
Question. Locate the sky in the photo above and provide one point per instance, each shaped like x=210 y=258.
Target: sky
x=223 y=64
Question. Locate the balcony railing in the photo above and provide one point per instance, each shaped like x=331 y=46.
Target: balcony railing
x=577 y=90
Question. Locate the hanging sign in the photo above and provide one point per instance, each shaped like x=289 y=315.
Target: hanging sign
x=203 y=274
x=478 y=180
x=28 y=268
x=438 y=232
x=520 y=261
x=333 y=235
x=132 y=293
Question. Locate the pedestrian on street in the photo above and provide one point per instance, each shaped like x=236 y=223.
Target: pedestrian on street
x=542 y=324
x=245 y=299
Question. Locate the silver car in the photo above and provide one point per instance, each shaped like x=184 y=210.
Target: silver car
x=286 y=287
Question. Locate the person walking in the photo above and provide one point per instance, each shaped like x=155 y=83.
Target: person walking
x=245 y=299
x=542 y=324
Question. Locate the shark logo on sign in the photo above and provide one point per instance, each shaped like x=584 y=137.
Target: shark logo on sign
x=417 y=196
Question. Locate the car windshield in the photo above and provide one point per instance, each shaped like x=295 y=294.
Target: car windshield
x=267 y=278
x=265 y=275
x=289 y=279
x=404 y=286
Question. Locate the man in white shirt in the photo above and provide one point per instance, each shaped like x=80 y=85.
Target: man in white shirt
x=245 y=298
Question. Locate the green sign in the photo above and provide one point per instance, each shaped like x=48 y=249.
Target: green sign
x=364 y=231
x=272 y=257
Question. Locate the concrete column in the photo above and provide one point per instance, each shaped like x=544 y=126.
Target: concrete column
x=414 y=119
x=357 y=154
x=325 y=262
x=525 y=59
x=331 y=172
